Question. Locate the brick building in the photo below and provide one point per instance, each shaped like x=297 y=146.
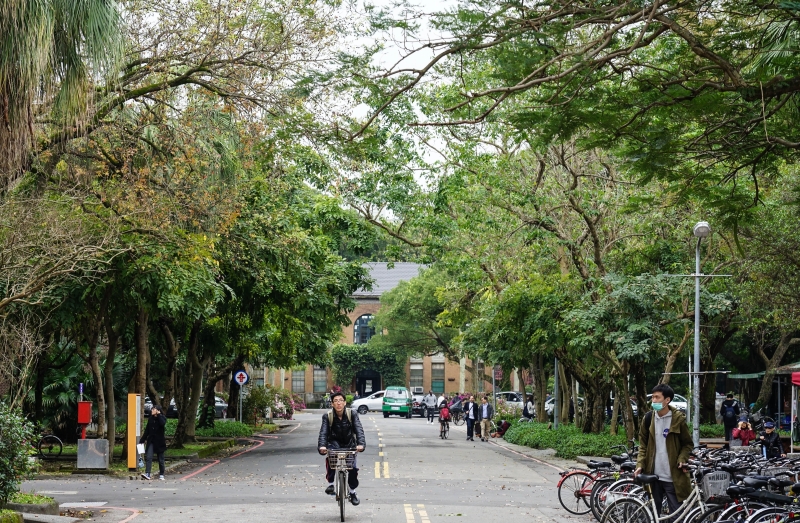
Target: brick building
x=430 y=372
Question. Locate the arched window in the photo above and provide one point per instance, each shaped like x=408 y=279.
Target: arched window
x=362 y=331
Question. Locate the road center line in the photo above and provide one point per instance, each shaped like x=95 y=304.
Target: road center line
x=409 y=514
x=423 y=514
x=377 y=470
x=386 y=469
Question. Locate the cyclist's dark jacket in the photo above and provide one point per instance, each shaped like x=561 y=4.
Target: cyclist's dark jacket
x=773 y=444
x=343 y=434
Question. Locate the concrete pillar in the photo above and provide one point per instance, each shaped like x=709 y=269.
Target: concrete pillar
x=462 y=374
x=283 y=378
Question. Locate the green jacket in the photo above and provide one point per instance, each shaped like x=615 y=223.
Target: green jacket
x=679 y=446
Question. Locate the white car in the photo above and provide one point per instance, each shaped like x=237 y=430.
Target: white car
x=679 y=402
x=511 y=398
x=373 y=402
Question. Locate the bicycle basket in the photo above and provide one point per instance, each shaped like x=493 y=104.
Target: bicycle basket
x=775 y=471
x=715 y=484
x=333 y=458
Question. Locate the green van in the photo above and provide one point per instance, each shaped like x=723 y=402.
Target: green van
x=397 y=400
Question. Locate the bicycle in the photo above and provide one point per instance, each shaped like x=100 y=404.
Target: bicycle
x=48 y=447
x=444 y=429
x=341 y=461
x=458 y=418
x=633 y=509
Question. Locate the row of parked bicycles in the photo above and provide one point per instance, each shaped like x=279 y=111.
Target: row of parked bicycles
x=728 y=486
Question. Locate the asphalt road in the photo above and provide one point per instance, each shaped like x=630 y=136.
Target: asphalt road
x=408 y=475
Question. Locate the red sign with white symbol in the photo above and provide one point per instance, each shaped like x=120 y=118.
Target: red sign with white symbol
x=241 y=377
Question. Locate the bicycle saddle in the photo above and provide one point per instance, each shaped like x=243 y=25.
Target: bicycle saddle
x=796 y=487
x=755 y=482
x=628 y=466
x=780 y=483
x=646 y=479
x=735 y=491
x=733 y=469
x=618 y=459
x=599 y=464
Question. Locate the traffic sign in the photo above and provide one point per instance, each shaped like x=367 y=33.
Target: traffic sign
x=241 y=378
x=498 y=372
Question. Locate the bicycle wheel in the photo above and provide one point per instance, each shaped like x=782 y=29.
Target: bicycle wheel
x=458 y=419
x=446 y=430
x=597 y=498
x=739 y=512
x=574 y=490
x=50 y=447
x=627 y=510
x=768 y=515
x=711 y=515
x=342 y=492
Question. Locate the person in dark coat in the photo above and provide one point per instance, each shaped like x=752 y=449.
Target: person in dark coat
x=771 y=442
x=341 y=429
x=155 y=441
x=729 y=411
x=472 y=416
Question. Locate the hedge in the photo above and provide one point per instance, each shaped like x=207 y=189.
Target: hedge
x=568 y=441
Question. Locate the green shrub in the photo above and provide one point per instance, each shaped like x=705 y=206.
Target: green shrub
x=567 y=440
x=229 y=429
x=30 y=498
x=16 y=434
x=712 y=430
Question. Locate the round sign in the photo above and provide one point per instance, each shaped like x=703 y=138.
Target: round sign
x=241 y=378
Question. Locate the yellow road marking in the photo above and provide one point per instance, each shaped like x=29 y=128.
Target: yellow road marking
x=423 y=514
x=380 y=454
x=386 y=469
x=409 y=514
x=377 y=469
x=380 y=445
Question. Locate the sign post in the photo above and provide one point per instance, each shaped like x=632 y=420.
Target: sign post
x=241 y=378
x=134 y=428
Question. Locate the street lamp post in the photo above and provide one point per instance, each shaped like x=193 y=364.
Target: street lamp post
x=701 y=230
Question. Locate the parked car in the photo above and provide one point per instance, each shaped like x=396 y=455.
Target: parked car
x=397 y=400
x=220 y=408
x=550 y=405
x=373 y=402
x=511 y=398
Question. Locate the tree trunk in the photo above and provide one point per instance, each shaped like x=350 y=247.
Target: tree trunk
x=171 y=358
x=638 y=372
x=187 y=416
x=565 y=394
x=630 y=421
x=108 y=374
x=615 y=411
x=539 y=387
x=673 y=353
x=233 y=400
x=772 y=364
x=141 y=335
x=577 y=403
x=209 y=397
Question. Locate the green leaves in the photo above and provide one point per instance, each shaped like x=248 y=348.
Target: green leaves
x=16 y=436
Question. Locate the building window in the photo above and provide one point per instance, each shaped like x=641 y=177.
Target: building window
x=259 y=382
x=362 y=331
x=299 y=380
x=416 y=375
x=438 y=357
x=437 y=377
x=320 y=379
x=481 y=374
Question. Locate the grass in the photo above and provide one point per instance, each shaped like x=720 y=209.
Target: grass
x=30 y=498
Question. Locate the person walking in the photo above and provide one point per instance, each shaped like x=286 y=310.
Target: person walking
x=155 y=441
x=529 y=409
x=341 y=429
x=771 y=442
x=729 y=411
x=486 y=412
x=743 y=432
x=471 y=416
x=664 y=446
x=430 y=402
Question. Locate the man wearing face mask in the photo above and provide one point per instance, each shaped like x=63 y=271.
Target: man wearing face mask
x=665 y=444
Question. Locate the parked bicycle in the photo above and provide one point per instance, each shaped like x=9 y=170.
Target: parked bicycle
x=48 y=447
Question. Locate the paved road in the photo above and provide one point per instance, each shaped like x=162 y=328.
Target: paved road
x=408 y=475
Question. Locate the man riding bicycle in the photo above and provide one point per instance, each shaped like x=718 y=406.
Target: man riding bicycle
x=341 y=429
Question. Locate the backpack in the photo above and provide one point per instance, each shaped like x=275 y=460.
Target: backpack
x=730 y=413
x=444 y=414
x=525 y=412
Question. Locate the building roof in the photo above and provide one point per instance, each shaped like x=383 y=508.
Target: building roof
x=386 y=279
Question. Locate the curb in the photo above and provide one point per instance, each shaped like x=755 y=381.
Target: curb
x=30 y=508
x=46 y=518
x=544 y=457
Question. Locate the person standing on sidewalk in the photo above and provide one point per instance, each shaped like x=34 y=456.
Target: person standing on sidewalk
x=471 y=415
x=486 y=412
x=430 y=403
x=729 y=411
x=664 y=446
x=155 y=441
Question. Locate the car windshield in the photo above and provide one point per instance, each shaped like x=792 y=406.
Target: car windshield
x=395 y=394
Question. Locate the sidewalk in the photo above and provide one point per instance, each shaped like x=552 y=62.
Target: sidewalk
x=544 y=456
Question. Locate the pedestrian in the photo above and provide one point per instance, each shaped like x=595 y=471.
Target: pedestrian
x=486 y=412
x=743 y=432
x=771 y=442
x=729 y=411
x=471 y=416
x=664 y=447
x=430 y=402
x=442 y=397
x=155 y=442
x=529 y=409
x=341 y=429
x=356 y=396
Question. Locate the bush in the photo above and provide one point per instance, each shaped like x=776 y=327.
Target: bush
x=229 y=429
x=568 y=441
x=711 y=430
x=15 y=464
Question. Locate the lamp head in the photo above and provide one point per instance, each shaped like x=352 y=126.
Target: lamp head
x=702 y=230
